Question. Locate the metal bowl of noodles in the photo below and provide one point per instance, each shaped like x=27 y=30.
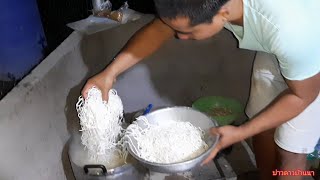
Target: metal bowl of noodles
x=167 y=115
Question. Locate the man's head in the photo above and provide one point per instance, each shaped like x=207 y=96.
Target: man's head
x=192 y=19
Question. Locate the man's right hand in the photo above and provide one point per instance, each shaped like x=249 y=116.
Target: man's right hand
x=102 y=81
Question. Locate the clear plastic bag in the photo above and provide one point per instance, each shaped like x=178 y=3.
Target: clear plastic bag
x=128 y=14
x=93 y=24
x=100 y=6
x=103 y=18
x=123 y=15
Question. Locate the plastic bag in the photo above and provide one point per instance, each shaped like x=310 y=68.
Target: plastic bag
x=100 y=6
x=128 y=14
x=103 y=18
x=123 y=15
x=93 y=24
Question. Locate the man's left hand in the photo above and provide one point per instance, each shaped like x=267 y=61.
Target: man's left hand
x=228 y=136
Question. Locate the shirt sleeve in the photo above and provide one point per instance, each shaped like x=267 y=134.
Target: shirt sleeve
x=299 y=56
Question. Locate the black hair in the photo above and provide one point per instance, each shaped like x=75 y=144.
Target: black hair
x=198 y=11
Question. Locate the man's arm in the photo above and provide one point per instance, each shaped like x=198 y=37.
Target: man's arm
x=145 y=42
x=289 y=104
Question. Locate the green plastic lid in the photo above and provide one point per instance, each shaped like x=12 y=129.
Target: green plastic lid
x=222 y=109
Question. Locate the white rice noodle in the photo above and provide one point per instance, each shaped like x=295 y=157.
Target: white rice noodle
x=171 y=143
x=101 y=125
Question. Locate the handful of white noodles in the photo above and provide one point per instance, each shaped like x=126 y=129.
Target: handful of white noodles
x=101 y=125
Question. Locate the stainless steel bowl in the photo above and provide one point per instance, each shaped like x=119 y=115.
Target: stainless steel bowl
x=196 y=118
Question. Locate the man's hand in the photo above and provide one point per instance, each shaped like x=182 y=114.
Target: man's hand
x=102 y=81
x=228 y=136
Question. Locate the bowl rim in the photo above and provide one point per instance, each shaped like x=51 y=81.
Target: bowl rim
x=204 y=154
x=233 y=101
x=222 y=119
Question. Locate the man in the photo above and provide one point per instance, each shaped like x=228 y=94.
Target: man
x=284 y=100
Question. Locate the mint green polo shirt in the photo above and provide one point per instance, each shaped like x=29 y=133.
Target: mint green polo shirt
x=289 y=29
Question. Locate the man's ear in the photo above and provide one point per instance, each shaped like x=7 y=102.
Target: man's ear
x=223 y=13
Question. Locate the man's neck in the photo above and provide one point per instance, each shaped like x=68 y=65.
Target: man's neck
x=236 y=12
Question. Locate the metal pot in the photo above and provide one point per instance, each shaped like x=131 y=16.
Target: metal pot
x=84 y=169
